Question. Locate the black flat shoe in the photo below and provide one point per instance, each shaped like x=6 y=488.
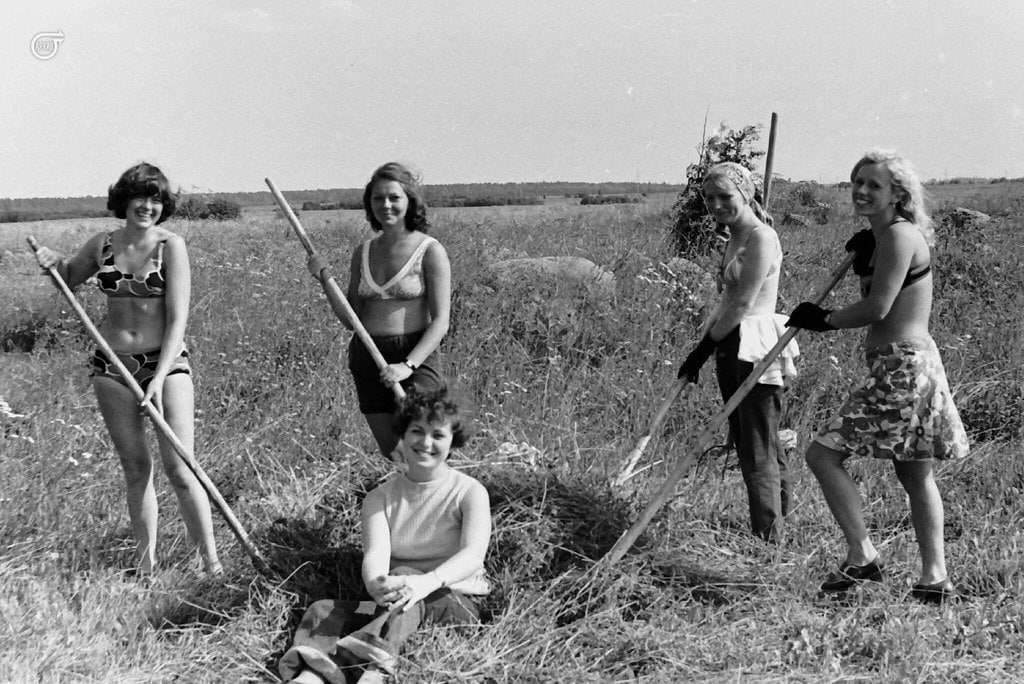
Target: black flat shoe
x=849 y=575
x=936 y=594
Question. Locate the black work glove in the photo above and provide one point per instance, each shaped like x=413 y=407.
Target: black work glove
x=862 y=244
x=809 y=316
x=696 y=358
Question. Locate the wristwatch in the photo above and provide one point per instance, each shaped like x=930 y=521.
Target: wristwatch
x=412 y=366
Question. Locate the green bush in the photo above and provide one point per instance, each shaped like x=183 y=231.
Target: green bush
x=610 y=199
x=693 y=230
x=190 y=208
x=220 y=209
x=217 y=209
x=806 y=198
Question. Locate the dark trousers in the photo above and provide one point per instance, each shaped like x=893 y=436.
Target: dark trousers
x=316 y=640
x=376 y=397
x=754 y=431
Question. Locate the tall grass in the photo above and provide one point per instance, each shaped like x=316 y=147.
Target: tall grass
x=562 y=385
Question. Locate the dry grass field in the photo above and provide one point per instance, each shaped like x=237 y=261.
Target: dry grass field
x=561 y=385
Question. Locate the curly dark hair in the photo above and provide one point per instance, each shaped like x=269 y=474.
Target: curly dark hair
x=416 y=214
x=142 y=180
x=434 y=406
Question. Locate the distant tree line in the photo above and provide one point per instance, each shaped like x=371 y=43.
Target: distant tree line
x=611 y=199
x=974 y=181
x=311 y=205
x=471 y=194
x=191 y=207
x=446 y=195
x=45 y=208
x=453 y=201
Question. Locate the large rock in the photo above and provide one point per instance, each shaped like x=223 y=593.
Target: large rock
x=553 y=275
x=686 y=270
x=790 y=219
x=960 y=217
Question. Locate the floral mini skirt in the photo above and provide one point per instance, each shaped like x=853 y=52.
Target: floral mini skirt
x=903 y=411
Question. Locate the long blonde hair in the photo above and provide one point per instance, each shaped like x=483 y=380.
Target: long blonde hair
x=906 y=184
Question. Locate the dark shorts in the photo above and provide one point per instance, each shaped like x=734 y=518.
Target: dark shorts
x=376 y=397
x=142 y=366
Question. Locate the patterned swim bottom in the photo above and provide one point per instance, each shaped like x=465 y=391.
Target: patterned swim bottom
x=142 y=366
x=903 y=411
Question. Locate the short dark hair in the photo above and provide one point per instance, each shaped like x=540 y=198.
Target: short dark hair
x=416 y=214
x=142 y=180
x=434 y=406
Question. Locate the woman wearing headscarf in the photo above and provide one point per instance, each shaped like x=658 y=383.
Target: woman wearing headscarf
x=739 y=332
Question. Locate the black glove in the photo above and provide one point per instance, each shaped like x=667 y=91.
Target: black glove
x=862 y=244
x=809 y=316
x=696 y=358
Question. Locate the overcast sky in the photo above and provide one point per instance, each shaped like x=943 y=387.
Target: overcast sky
x=317 y=94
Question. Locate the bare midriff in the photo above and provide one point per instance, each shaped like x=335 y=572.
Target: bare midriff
x=387 y=317
x=134 y=324
x=907 y=318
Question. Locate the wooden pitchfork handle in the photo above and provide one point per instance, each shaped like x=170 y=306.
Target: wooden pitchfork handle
x=659 y=417
x=158 y=420
x=766 y=195
x=630 y=536
x=333 y=290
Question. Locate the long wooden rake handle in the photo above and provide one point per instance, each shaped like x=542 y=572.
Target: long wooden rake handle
x=630 y=536
x=333 y=290
x=659 y=417
x=158 y=420
x=769 y=160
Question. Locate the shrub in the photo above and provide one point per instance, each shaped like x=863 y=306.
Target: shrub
x=218 y=209
x=190 y=208
x=693 y=230
x=610 y=199
x=804 y=198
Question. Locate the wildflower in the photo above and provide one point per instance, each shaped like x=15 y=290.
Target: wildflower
x=788 y=439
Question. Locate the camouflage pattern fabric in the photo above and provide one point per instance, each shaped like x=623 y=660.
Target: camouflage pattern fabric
x=903 y=411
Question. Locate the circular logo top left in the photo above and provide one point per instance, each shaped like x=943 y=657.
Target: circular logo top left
x=44 y=45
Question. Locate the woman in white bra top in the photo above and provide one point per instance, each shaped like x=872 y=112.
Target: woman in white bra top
x=400 y=288
x=739 y=333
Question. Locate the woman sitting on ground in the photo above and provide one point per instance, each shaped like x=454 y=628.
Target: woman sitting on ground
x=425 y=535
